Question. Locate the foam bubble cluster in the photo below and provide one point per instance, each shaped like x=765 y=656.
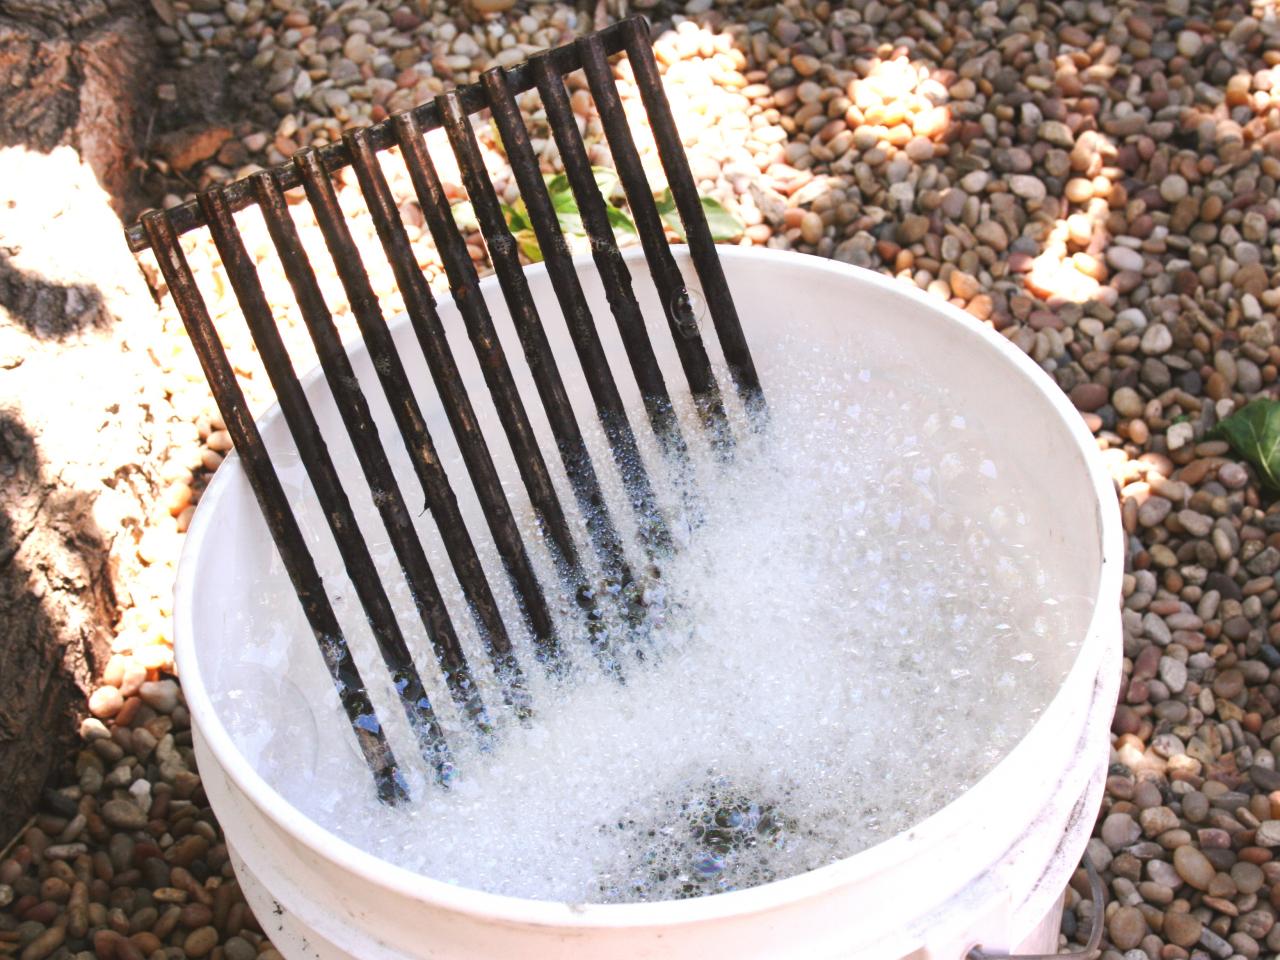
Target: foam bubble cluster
x=855 y=627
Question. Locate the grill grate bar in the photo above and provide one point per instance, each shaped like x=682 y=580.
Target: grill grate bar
x=440 y=498
x=573 y=304
x=279 y=518
x=684 y=191
x=666 y=275
x=420 y=307
x=608 y=258
x=356 y=417
x=503 y=252
x=465 y=287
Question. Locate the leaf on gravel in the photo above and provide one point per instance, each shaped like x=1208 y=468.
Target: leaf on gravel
x=606 y=181
x=724 y=225
x=1254 y=433
x=623 y=228
x=567 y=213
x=516 y=216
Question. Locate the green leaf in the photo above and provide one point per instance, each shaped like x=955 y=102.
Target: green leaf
x=567 y=213
x=606 y=181
x=556 y=183
x=529 y=245
x=723 y=224
x=1254 y=433
x=623 y=228
x=667 y=211
x=516 y=216
x=564 y=204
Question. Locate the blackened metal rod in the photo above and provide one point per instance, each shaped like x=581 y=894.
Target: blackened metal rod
x=573 y=303
x=320 y=469
x=465 y=287
x=354 y=410
x=412 y=425
x=421 y=308
x=533 y=338
x=733 y=343
x=666 y=275
x=281 y=523
x=608 y=258
x=187 y=216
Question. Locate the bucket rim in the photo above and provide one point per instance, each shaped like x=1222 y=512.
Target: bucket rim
x=961 y=814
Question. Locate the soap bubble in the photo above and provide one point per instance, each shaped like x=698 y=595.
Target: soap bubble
x=801 y=678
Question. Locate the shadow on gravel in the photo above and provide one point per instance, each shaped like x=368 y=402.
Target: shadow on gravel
x=46 y=309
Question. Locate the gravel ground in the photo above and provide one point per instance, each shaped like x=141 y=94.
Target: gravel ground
x=1097 y=181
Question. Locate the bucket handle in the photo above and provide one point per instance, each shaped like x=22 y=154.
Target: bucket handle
x=1097 y=893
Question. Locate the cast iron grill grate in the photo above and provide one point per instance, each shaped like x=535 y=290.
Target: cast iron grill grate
x=312 y=170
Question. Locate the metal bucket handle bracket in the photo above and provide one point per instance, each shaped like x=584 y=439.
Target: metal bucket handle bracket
x=1097 y=893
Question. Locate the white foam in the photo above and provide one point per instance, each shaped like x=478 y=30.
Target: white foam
x=857 y=628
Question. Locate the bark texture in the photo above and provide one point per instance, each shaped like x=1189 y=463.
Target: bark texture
x=76 y=427
x=78 y=72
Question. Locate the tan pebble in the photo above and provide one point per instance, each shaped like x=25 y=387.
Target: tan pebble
x=981 y=307
x=1079 y=190
x=919 y=149
x=105 y=702
x=45 y=944
x=113 y=673
x=811 y=227
x=176 y=498
x=932 y=123
x=1182 y=929
x=200 y=942
x=133 y=677
x=964 y=285
x=1193 y=867
x=220 y=441
x=146 y=942
x=806 y=65
x=1127 y=926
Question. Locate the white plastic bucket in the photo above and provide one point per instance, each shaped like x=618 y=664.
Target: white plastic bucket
x=990 y=868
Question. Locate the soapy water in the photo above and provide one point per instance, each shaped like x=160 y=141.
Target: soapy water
x=855 y=626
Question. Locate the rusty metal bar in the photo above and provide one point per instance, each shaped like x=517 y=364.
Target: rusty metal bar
x=311 y=169
x=279 y=518
x=465 y=286
x=441 y=500
x=421 y=309
x=319 y=466
x=503 y=252
x=354 y=410
x=666 y=275
x=685 y=192
x=608 y=258
x=188 y=216
x=573 y=303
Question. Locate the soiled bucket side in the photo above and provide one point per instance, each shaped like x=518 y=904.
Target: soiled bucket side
x=987 y=868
